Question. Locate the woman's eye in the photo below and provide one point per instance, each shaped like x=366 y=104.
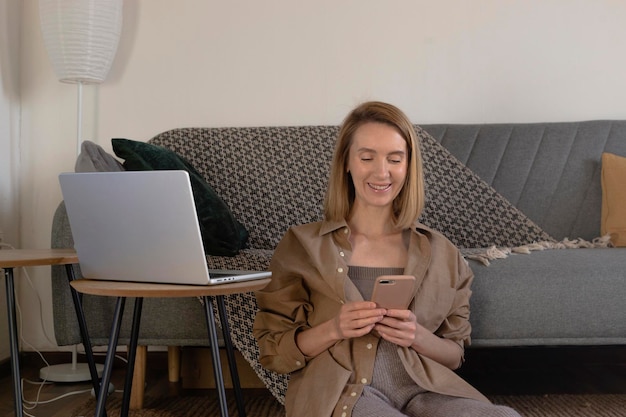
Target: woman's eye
x=395 y=161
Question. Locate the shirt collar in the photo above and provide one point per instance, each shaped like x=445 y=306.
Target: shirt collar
x=329 y=226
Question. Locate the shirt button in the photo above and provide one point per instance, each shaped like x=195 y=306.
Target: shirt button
x=363 y=380
x=345 y=407
x=341 y=253
x=369 y=346
x=340 y=270
x=353 y=394
x=344 y=414
x=298 y=363
x=345 y=230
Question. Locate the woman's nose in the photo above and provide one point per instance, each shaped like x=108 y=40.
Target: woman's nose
x=382 y=169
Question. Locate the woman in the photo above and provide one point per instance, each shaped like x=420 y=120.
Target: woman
x=345 y=355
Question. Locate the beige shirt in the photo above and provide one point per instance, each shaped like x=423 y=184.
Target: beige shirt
x=310 y=283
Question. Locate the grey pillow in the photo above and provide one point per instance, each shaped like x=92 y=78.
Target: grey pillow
x=93 y=158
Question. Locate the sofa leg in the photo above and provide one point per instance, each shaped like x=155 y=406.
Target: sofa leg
x=139 y=378
x=173 y=363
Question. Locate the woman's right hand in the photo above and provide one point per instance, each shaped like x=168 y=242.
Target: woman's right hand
x=357 y=318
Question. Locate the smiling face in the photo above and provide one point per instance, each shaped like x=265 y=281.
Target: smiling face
x=377 y=162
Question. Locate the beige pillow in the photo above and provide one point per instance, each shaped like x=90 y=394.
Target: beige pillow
x=614 y=198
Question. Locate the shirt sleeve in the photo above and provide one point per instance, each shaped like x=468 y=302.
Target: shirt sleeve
x=283 y=308
x=457 y=326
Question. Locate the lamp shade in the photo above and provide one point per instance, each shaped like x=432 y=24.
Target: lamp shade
x=81 y=37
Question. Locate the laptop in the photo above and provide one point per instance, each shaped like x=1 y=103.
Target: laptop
x=140 y=226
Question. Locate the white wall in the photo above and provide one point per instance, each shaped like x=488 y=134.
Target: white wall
x=9 y=143
x=285 y=62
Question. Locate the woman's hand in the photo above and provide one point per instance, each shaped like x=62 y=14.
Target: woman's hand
x=401 y=327
x=357 y=319
x=354 y=319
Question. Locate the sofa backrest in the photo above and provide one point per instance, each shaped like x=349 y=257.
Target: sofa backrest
x=550 y=171
x=275 y=177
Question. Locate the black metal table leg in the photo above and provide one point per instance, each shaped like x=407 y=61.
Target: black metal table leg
x=84 y=334
x=110 y=357
x=132 y=354
x=230 y=354
x=215 y=355
x=13 y=342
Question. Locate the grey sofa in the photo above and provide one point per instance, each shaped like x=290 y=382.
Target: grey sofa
x=546 y=183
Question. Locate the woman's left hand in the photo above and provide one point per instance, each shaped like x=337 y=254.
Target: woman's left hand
x=399 y=327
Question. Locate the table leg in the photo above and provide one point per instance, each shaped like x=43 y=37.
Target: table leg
x=132 y=353
x=215 y=355
x=82 y=326
x=13 y=342
x=110 y=357
x=230 y=354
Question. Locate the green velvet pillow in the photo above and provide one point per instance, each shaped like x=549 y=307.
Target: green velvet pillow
x=221 y=233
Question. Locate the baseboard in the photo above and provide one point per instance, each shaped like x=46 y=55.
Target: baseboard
x=196 y=366
x=32 y=360
x=476 y=358
x=530 y=356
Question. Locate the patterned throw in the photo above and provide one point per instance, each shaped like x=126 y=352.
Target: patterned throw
x=274 y=177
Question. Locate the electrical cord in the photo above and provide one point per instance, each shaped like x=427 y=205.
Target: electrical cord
x=41 y=384
x=28 y=404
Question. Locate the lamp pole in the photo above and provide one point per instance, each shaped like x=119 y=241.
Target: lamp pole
x=81 y=38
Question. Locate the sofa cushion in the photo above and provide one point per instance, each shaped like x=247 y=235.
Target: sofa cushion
x=221 y=233
x=551 y=297
x=93 y=158
x=614 y=198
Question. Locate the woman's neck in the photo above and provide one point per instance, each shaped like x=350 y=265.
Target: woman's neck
x=372 y=223
x=376 y=242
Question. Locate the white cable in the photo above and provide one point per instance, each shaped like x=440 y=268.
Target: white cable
x=30 y=405
x=30 y=282
x=26 y=404
x=28 y=381
x=37 y=402
x=20 y=321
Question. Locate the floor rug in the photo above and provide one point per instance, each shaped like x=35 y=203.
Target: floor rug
x=561 y=405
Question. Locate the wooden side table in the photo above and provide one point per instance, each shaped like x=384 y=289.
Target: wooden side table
x=15 y=258
x=123 y=290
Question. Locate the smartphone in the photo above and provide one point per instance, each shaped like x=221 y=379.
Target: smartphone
x=394 y=291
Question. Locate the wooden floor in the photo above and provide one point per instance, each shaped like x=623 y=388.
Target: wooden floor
x=515 y=371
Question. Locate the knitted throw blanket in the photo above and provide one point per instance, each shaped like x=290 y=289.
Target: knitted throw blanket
x=483 y=224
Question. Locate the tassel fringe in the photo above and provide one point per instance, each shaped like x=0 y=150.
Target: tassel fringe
x=493 y=252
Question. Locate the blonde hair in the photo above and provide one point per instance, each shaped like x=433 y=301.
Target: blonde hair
x=340 y=193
